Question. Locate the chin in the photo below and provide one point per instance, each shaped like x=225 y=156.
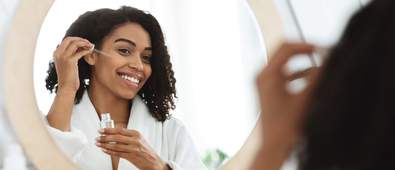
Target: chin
x=129 y=95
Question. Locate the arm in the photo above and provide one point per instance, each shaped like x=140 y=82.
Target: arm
x=59 y=115
x=66 y=58
x=282 y=111
x=271 y=157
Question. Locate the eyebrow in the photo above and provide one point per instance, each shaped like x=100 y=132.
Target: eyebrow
x=131 y=43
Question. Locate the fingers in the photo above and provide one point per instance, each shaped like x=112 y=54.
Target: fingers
x=307 y=73
x=120 y=140
x=127 y=151
x=77 y=46
x=122 y=131
x=287 y=50
x=310 y=76
x=73 y=47
x=273 y=75
x=117 y=138
x=118 y=147
x=82 y=53
x=66 y=42
x=312 y=80
x=114 y=153
x=116 y=144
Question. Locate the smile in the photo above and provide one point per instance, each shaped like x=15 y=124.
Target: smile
x=131 y=80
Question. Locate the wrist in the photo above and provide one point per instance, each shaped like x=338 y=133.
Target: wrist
x=278 y=147
x=271 y=156
x=66 y=91
x=283 y=143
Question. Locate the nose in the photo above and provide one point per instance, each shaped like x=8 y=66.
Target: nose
x=136 y=63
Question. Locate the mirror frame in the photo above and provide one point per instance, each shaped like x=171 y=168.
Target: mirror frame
x=20 y=100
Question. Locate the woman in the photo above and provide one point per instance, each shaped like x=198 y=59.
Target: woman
x=116 y=61
x=346 y=121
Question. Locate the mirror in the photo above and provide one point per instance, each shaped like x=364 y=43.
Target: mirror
x=207 y=72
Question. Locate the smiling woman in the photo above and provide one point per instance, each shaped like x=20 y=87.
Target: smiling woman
x=199 y=51
x=134 y=83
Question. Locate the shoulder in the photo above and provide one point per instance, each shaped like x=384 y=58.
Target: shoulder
x=177 y=135
x=175 y=129
x=173 y=124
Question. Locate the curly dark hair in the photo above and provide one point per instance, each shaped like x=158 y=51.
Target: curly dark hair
x=350 y=122
x=159 y=91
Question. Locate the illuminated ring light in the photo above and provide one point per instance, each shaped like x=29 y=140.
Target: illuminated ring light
x=20 y=100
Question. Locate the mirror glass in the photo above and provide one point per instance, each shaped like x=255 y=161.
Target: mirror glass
x=215 y=56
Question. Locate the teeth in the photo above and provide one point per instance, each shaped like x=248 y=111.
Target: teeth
x=131 y=79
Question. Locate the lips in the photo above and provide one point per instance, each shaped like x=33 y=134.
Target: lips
x=132 y=79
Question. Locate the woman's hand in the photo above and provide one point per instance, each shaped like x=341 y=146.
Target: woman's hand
x=66 y=58
x=130 y=145
x=282 y=111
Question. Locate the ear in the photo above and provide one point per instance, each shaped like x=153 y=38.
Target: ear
x=90 y=58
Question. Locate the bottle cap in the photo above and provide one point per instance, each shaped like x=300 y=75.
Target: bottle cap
x=105 y=116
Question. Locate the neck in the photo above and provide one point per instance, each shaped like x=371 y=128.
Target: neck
x=104 y=100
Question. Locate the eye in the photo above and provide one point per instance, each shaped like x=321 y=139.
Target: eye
x=124 y=51
x=146 y=59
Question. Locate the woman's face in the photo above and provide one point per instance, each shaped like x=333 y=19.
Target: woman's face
x=124 y=66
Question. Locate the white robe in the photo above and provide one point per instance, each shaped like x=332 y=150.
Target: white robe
x=169 y=139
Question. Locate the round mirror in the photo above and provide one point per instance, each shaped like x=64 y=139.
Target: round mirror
x=215 y=64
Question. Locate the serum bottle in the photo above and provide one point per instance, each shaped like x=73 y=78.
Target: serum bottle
x=106 y=121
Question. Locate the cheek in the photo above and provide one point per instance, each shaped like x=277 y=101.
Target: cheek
x=106 y=68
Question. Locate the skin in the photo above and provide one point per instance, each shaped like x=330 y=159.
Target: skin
x=282 y=111
x=126 y=50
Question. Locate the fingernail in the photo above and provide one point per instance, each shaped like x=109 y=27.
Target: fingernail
x=97 y=138
x=98 y=144
x=101 y=130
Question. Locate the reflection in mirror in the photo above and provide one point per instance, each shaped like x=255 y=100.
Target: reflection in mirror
x=214 y=57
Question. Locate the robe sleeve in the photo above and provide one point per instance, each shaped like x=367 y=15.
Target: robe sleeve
x=72 y=142
x=186 y=155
